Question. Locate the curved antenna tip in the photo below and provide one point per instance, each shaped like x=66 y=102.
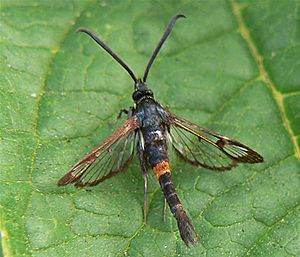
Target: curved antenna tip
x=80 y=29
x=180 y=15
x=83 y=30
x=161 y=42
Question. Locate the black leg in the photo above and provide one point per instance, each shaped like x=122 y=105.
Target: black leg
x=121 y=112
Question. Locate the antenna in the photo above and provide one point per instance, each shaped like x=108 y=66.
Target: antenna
x=111 y=52
x=161 y=42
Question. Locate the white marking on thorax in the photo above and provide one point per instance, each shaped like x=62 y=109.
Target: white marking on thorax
x=158 y=134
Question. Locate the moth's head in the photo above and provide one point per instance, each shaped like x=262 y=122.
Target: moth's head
x=141 y=90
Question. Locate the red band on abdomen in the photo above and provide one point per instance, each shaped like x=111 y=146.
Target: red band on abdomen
x=161 y=168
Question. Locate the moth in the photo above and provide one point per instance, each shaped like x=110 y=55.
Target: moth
x=151 y=130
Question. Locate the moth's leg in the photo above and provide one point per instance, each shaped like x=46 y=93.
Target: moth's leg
x=128 y=112
x=145 y=196
x=125 y=111
x=143 y=163
x=165 y=209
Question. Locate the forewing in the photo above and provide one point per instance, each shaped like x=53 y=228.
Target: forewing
x=204 y=147
x=106 y=160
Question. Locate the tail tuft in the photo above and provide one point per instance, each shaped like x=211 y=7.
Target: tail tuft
x=186 y=229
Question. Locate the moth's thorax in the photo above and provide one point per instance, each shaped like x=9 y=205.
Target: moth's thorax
x=149 y=113
x=154 y=131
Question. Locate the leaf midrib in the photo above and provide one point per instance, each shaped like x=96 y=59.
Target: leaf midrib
x=264 y=75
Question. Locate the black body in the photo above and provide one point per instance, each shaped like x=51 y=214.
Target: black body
x=153 y=150
x=154 y=132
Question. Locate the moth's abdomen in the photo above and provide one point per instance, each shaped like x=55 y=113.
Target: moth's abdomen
x=161 y=168
x=156 y=153
x=186 y=229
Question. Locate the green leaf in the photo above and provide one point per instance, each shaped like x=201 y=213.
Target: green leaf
x=231 y=67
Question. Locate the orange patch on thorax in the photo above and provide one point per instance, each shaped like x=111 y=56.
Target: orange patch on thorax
x=161 y=168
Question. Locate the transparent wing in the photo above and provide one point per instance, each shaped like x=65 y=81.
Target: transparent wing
x=206 y=148
x=106 y=160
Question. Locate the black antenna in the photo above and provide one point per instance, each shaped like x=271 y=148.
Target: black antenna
x=161 y=42
x=111 y=52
